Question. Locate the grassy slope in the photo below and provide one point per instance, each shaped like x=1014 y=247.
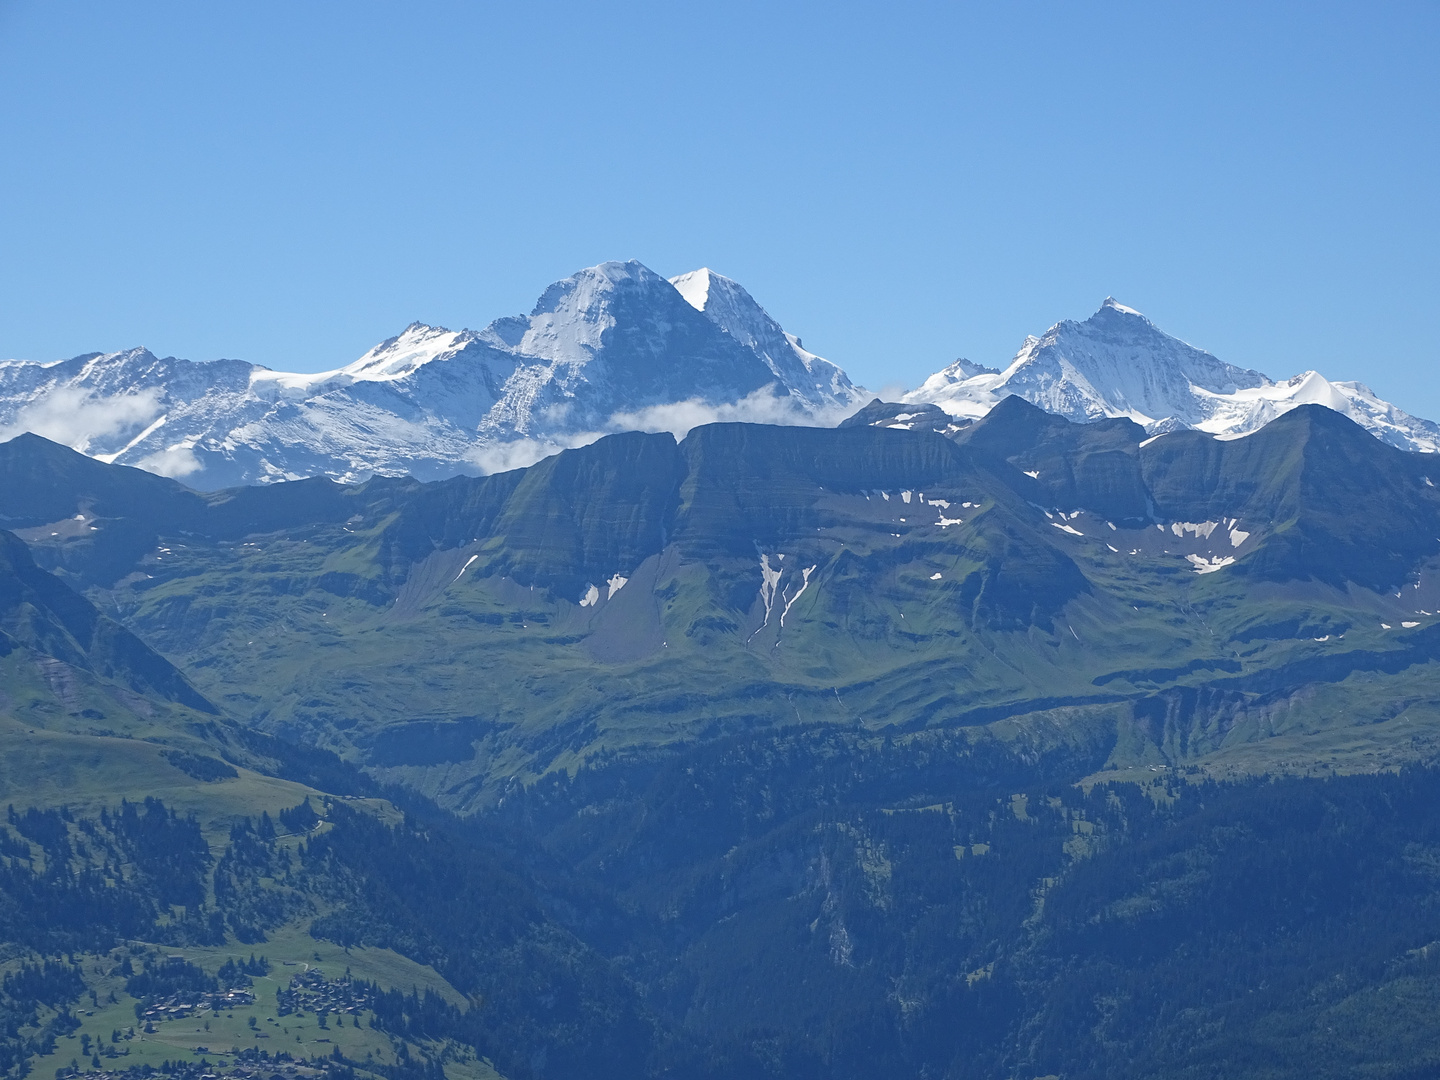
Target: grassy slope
x=289 y=949
x=436 y=633
x=873 y=640
x=72 y=740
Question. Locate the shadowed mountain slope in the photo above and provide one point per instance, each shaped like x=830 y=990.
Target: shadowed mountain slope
x=42 y=613
x=637 y=591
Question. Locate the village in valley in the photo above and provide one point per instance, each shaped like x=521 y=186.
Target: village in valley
x=214 y=1016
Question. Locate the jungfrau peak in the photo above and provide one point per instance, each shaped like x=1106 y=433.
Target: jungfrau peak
x=1118 y=363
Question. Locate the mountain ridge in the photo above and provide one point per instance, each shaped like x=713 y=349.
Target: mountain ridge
x=613 y=347
x=769 y=743
x=752 y=576
x=1117 y=363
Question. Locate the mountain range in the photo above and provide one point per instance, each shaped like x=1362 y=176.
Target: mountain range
x=615 y=347
x=1117 y=363
x=895 y=739
x=1022 y=747
x=638 y=590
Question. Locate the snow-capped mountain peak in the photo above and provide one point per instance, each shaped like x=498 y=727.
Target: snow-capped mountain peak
x=1115 y=305
x=1118 y=363
x=694 y=287
x=612 y=347
x=572 y=315
x=811 y=380
x=406 y=352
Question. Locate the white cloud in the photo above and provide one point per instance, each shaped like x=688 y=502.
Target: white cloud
x=174 y=462
x=522 y=453
x=677 y=417
x=761 y=407
x=80 y=420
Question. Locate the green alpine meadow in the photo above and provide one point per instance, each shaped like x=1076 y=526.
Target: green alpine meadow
x=1022 y=747
x=413 y=670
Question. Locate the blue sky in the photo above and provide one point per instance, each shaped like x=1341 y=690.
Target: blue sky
x=899 y=184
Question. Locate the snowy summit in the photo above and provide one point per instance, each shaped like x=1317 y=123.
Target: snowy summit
x=613 y=347
x=1118 y=363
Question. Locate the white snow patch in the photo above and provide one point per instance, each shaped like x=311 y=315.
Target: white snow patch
x=591 y=597
x=945 y=522
x=1033 y=475
x=934 y=577
x=616 y=583
x=1238 y=537
x=1409 y=625
x=804 y=584
x=109 y=459
x=1202 y=530
x=464 y=568
x=1066 y=528
x=906 y=496
x=1209 y=566
x=769 y=580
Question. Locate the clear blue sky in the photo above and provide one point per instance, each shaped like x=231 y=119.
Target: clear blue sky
x=289 y=183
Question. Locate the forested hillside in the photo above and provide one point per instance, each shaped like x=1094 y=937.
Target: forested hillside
x=1027 y=748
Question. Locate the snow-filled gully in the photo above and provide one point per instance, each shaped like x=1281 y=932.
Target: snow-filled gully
x=771 y=590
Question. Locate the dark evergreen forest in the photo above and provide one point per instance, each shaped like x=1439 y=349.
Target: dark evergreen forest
x=701 y=919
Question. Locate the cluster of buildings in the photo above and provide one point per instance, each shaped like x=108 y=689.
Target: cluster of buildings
x=310 y=991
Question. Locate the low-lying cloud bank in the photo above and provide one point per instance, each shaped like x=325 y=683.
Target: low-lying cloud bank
x=105 y=427
x=679 y=418
x=81 y=420
x=175 y=462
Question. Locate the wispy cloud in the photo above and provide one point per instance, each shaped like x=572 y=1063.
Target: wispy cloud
x=175 y=462
x=677 y=417
x=83 y=421
x=761 y=407
x=522 y=453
